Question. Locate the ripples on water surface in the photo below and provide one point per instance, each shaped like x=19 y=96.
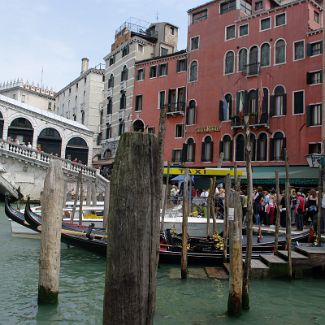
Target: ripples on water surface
x=191 y=302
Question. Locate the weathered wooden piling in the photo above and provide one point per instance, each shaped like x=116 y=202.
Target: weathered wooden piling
x=277 y=211
x=235 y=252
x=76 y=197
x=185 y=226
x=225 y=215
x=81 y=198
x=288 y=216
x=133 y=232
x=165 y=198
x=106 y=204
x=249 y=223
x=49 y=266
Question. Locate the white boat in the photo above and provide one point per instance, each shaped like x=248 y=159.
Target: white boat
x=197 y=227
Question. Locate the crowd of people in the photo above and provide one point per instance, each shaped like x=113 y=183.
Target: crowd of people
x=304 y=206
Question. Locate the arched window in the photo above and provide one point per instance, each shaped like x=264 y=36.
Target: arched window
x=124 y=74
x=226 y=147
x=138 y=126
x=242 y=60
x=261 y=147
x=225 y=108
x=109 y=105
x=190 y=153
x=123 y=100
x=193 y=71
x=229 y=62
x=82 y=117
x=191 y=113
x=253 y=61
x=277 y=146
x=278 y=102
x=207 y=149
x=280 y=52
x=265 y=55
x=240 y=145
x=111 y=81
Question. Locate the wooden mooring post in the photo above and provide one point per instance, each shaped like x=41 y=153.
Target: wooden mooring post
x=185 y=226
x=225 y=216
x=277 y=211
x=76 y=197
x=235 y=255
x=165 y=199
x=133 y=231
x=81 y=198
x=49 y=266
x=288 y=216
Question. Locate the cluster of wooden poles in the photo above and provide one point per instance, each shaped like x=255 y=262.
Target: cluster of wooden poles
x=133 y=232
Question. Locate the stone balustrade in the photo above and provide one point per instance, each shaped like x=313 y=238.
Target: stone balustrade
x=43 y=159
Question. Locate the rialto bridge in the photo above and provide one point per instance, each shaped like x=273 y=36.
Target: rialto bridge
x=31 y=137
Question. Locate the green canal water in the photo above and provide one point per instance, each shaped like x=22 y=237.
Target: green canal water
x=191 y=302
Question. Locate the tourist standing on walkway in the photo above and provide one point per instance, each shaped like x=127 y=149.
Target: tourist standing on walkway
x=294 y=206
x=258 y=205
x=311 y=205
x=283 y=212
x=300 y=211
x=322 y=220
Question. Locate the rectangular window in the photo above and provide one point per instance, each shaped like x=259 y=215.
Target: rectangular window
x=299 y=50
x=200 y=16
x=298 y=102
x=280 y=19
x=314 y=48
x=153 y=71
x=162 y=96
x=230 y=32
x=315 y=77
x=163 y=69
x=258 y=5
x=179 y=131
x=265 y=23
x=163 y=51
x=316 y=17
x=243 y=30
x=227 y=6
x=108 y=130
x=140 y=48
x=112 y=60
x=140 y=74
x=138 y=103
x=176 y=155
x=125 y=50
x=314 y=115
x=194 y=43
x=151 y=130
x=314 y=148
x=181 y=65
x=23 y=98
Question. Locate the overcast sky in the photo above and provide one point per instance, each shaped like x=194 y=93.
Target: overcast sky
x=54 y=35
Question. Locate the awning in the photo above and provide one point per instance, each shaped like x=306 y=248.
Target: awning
x=298 y=175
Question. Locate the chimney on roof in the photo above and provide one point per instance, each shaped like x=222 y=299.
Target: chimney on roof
x=84 y=65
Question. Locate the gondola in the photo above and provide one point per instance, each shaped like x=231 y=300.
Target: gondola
x=200 y=250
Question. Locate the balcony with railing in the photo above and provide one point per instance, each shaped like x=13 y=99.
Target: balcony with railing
x=252 y=69
x=175 y=108
x=254 y=121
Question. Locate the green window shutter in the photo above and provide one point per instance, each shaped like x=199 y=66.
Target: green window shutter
x=321 y=76
x=211 y=157
x=284 y=148
x=271 y=149
x=246 y=98
x=308 y=113
x=178 y=66
x=284 y=104
x=237 y=102
x=308 y=49
x=220 y=147
x=321 y=46
x=321 y=114
x=184 y=152
x=221 y=117
x=231 y=150
x=173 y=156
x=308 y=79
x=202 y=151
x=272 y=102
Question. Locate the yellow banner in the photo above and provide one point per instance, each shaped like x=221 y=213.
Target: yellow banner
x=203 y=171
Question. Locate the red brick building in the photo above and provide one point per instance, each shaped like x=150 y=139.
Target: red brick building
x=255 y=58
